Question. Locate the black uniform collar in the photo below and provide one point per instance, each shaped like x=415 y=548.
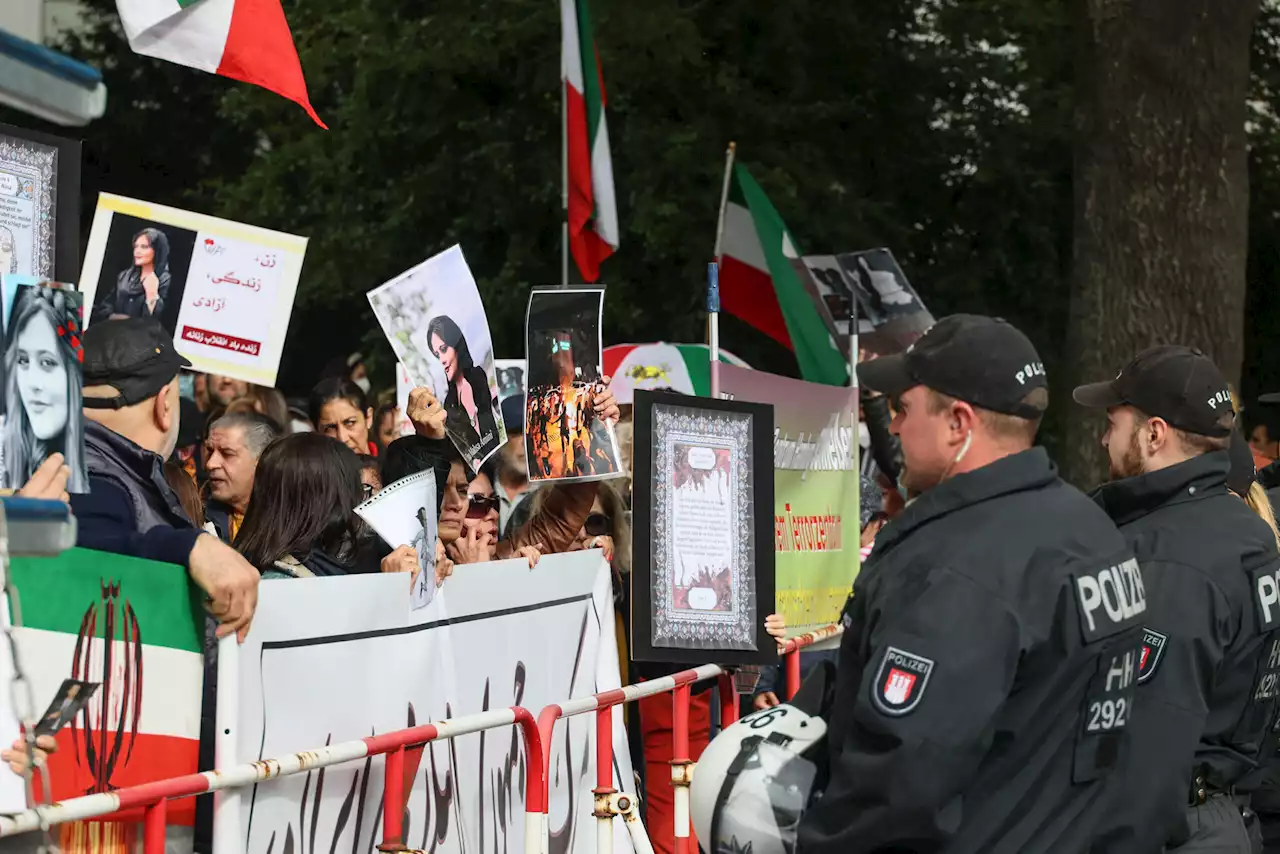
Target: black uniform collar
x=1132 y=498
x=1030 y=469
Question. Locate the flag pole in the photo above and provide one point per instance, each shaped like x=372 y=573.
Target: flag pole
x=713 y=278
x=564 y=171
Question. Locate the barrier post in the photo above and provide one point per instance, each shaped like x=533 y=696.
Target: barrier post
x=393 y=803
x=792 y=665
x=153 y=825
x=681 y=764
x=604 y=790
x=728 y=700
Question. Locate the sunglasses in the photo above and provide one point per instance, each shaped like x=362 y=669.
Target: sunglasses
x=478 y=506
x=598 y=525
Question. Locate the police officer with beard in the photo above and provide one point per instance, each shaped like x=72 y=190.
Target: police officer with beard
x=1210 y=671
x=990 y=655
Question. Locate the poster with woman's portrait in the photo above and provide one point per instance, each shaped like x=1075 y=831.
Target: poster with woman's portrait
x=564 y=440
x=222 y=289
x=433 y=317
x=43 y=378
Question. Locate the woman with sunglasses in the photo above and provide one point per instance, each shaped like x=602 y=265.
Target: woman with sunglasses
x=481 y=521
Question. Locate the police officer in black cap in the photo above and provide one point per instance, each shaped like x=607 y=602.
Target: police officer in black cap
x=990 y=653
x=1208 y=683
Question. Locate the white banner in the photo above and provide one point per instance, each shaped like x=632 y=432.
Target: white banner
x=338 y=659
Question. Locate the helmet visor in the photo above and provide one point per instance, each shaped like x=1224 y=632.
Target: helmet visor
x=760 y=806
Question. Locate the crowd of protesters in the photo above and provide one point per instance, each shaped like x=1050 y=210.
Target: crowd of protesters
x=237 y=485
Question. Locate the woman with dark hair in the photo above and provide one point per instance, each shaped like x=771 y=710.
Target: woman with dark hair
x=339 y=410
x=142 y=289
x=43 y=359
x=469 y=405
x=301 y=520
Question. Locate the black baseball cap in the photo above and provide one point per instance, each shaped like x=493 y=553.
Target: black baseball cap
x=984 y=361
x=1179 y=384
x=134 y=356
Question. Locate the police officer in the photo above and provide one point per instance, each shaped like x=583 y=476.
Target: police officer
x=990 y=654
x=1210 y=671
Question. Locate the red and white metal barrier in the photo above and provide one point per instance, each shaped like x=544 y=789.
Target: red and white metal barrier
x=152 y=798
x=791 y=653
x=608 y=801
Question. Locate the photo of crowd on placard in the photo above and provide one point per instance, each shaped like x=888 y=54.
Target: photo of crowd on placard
x=564 y=439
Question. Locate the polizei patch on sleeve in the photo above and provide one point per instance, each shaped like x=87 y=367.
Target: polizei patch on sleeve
x=1111 y=600
x=901 y=681
x=1153 y=644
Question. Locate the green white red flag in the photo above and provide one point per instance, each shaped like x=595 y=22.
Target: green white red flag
x=246 y=40
x=760 y=286
x=593 y=209
x=133 y=626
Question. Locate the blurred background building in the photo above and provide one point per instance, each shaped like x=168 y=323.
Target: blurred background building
x=39 y=80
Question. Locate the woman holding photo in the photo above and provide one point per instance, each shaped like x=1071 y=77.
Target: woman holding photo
x=469 y=404
x=142 y=289
x=42 y=395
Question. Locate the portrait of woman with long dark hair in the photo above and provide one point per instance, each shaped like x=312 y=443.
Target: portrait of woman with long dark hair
x=44 y=374
x=142 y=289
x=470 y=406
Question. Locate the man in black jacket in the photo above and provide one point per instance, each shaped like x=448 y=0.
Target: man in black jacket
x=131 y=427
x=1211 y=654
x=990 y=653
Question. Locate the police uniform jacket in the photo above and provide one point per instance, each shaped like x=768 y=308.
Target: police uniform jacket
x=1210 y=661
x=986 y=672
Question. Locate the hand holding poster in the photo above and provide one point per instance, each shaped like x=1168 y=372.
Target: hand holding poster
x=44 y=357
x=564 y=440
x=225 y=290
x=433 y=317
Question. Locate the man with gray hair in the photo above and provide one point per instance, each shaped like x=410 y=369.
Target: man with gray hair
x=235 y=443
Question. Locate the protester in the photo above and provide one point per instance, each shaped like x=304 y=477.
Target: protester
x=220 y=391
x=512 y=485
x=236 y=442
x=386 y=425
x=301 y=520
x=1204 y=702
x=131 y=411
x=969 y=658
x=16 y=755
x=370 y=475
x=338 y=409
x=184 y=486
x=481 y=521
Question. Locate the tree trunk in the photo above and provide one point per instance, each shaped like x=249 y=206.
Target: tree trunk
x=1161 y=193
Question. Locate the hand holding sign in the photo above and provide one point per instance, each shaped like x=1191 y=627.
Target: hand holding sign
x=426 y=413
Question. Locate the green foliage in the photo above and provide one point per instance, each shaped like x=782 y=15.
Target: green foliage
x=941 y=129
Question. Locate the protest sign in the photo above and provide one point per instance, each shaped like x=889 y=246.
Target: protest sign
x=336 y=659
x=404 y=386
x=404 y=513
x=433 y=317
x=44 y=357
x=135 y=627
x=816 y=487
x=39 y=204
x=564 y=440
x=224 y=289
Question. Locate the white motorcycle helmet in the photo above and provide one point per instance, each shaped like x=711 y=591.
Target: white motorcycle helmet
x=753 y=781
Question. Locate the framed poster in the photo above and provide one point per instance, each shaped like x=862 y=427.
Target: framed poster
x=703 y=580
x=39 y=204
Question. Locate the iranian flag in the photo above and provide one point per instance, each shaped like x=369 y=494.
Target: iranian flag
x=593 y=210
x=760 y=285
x=685 y=368
x=133 y=626
x=246 y=40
